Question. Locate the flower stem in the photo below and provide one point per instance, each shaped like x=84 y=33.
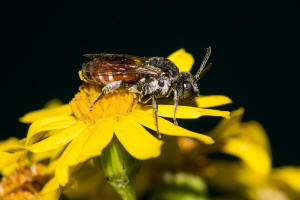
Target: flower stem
x=126 y=192
x=119 y=167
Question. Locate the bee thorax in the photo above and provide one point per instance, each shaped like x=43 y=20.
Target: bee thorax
x=152 y=86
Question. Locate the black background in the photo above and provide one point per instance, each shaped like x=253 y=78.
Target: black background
x=252 y=51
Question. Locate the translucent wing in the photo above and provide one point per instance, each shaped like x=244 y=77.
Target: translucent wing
x=118 y=64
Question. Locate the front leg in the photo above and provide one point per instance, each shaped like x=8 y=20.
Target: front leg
x=155 y=109
x=107 y=89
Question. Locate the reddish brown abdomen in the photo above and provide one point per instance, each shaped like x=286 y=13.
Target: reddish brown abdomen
x=109 y=78
x=99 y=71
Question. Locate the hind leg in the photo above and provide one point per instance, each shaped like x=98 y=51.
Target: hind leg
x=176 y=100
x=155 y=109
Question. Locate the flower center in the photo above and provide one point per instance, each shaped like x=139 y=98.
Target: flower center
x=115 y=104
x=24 y=183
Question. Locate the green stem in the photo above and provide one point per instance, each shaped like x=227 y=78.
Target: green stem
x=120 y=169
x=126 y=191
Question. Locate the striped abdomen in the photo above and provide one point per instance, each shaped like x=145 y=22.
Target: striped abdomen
x=103 y=72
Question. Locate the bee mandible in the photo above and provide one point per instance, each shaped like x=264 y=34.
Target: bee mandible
x=148 y=77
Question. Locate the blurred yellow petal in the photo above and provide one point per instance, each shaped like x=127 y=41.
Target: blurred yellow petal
x=227 y=127
x=99 y=137
x=184 y=112
x=169 y=128
x=230 y=176
x=49 y=123
x=50 y=191
x=64 y=110
x=253 y=155
x=6 y=171
x=254 y=132
x=8 y=143
x=289 y=176
x=137 y=140
x=52 y=154
x=62 y=137
x=54 y=103
x=212 y=101
x=70 y=157
x=182 y=59
x=18 y=146
x=7 y=159
x=89 y=184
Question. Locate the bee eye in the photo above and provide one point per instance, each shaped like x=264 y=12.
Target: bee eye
x=188 y=90
x=161 y=83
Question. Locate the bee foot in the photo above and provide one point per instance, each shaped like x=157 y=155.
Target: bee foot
x=175 y=122
x=158 y=135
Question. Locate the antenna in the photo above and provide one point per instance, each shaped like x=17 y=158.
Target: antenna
x=203 y=65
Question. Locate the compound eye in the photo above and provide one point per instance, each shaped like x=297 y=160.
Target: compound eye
x=188 y=90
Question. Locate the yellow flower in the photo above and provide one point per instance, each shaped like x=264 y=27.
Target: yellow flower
x=252 y=176
x=237 y=179
x=86 y=133
x=24 y=177
x=245 y=140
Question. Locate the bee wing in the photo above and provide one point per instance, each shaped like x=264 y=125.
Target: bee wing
x=119 y=64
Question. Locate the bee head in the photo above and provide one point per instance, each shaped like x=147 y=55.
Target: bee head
x=186 y=86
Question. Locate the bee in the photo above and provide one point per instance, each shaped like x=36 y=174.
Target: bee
x=148 y=77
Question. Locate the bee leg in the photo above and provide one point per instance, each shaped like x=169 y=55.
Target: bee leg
x=105 y=90
x=176 y=100
x=155 y=109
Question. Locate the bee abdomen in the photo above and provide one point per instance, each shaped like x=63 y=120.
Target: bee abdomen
x=109 y=78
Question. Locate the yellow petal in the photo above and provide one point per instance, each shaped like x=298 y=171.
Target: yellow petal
x=60 y=138
x=7 y=159
x=50 y=191
x=136 y=140
x=289 y=176
x=228 y=127
x=53 y=103
x=49 y=123
x=70 y=157
x=253 y=155
x=5 y=171
x=212 y=101
x=99 y=137
x=182 y=59
x=230 y=176
x=169 y=128
x=254 y=132
x=8 y=143
x=184 y=112
x=53 y=154
x=17 y=146
x=64 y=110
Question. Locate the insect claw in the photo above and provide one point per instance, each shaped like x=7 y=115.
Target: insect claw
x=175 y=122
x=158 y=134
x=91 y=107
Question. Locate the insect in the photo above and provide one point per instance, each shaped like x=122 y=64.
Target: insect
x=149 y=77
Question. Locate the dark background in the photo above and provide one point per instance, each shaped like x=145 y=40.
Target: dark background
x=252 y=51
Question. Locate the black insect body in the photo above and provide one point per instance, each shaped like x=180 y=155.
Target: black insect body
x=150 y=78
